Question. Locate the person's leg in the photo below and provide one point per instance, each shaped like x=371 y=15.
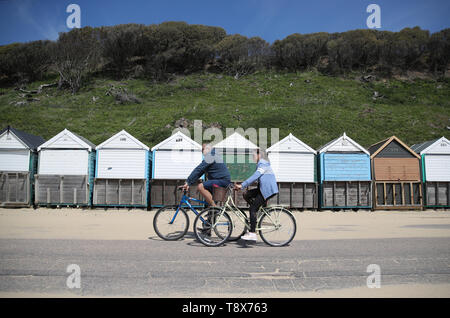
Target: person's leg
x=206 y=194
x=250 y=195
x=258 y=201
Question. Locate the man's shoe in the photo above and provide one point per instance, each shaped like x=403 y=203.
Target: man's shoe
x=249 y=237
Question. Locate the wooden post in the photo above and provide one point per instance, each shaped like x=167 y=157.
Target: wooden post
x=106 y=191
x=393 y=193
x=403 y=193
x=17 y=186
x=420 y=193
x=437 y=193
x=290 y=194
x=316 y=196
x=358 y=195
x=304 y=196
x=384 y=188
x=28 y=197
x=132 y=191
x=163 y=192
x=7 y=188
x=95 y=198
x=346 y=193
x=334 y=193
x=36 y=189
x=61 y=187
x=118 y=191
x=88 y=185
x=143 y=192
x=375 y=203
x=411 y=189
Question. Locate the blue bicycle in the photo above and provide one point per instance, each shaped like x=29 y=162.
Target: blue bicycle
x=171 y=222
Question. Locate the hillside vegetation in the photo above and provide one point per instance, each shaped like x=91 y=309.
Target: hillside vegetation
x=312 y=106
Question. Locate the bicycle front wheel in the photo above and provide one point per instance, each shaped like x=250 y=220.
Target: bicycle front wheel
x=212 y=227
x=277 y=227
x=171 y=222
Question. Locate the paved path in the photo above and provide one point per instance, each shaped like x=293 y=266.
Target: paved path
x=153 y=267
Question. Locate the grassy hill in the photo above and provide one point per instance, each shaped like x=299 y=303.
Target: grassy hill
x=314 y=107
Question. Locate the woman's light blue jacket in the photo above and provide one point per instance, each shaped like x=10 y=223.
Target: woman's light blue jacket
x=264 y=174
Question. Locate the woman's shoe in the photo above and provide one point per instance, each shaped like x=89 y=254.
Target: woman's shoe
x=249 y=237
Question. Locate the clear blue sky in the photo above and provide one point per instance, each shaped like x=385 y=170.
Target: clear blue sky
x=27 y=20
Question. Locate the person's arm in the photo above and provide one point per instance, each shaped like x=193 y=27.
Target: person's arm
x=255 y=176
x=197 y=173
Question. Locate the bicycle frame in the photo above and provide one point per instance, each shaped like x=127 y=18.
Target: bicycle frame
x=229 y=206
x=186 y=200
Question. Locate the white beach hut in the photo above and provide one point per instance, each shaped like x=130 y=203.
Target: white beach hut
x=435 y=160
x=122 y=171
x=65 y=170
x=294 y=165
x=18 y=160
x=173 y=160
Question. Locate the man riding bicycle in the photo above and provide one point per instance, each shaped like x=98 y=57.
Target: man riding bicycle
x=216 y=172
x=267 y=188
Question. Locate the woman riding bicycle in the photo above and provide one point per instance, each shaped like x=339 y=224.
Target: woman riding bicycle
x=267 y=188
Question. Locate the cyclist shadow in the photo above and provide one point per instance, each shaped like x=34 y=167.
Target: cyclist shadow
x=238 y=244
x=188 y=235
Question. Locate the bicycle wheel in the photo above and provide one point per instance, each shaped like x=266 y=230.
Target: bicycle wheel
x=212 y=227
x=170 y=225
x=239 y=227
x=277 y=227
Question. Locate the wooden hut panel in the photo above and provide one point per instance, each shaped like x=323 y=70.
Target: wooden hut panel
x=14 y=188
x=164 y=192
x=121 y=192
x=66 y=190
x=284 y=194
x=47 y=189
x=74 y=189
x=437 y=194
x=398 y=195
x=386 y=169
x=296 y=195
x=342 y=194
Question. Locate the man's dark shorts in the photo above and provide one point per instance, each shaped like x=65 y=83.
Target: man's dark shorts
x=209 y=184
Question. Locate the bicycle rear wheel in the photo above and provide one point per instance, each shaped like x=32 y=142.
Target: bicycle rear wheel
x=169 y=224
x=212 y=227
x=277 y=227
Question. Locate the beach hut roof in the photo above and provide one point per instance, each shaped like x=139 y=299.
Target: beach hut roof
x=290 y=143
x=82 y=143
x=132 y=142
x=336 y=144
x=236 y=141
x=170 y=143
x=427 y=146
x=29 y=140
x=376 y=148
